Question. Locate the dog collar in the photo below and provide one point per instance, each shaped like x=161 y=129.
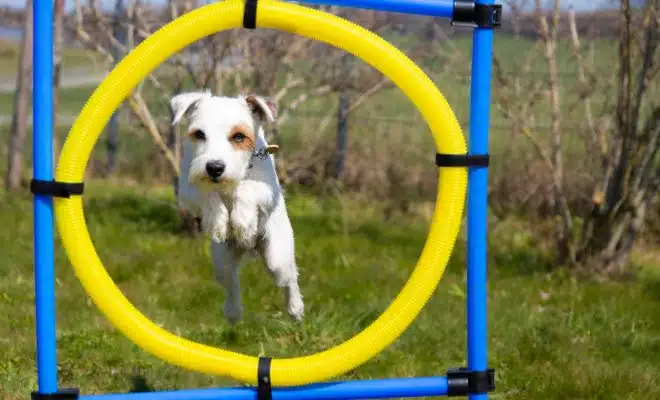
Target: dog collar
x=264 y=152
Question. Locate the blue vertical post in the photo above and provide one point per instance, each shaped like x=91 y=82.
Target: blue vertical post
x=42 y=159
x=482 y=51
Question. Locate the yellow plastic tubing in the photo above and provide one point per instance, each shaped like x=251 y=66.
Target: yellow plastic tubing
x=315 y=25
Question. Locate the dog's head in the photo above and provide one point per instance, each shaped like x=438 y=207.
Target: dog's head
x=224 y=132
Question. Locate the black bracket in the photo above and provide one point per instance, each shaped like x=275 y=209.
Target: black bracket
x=264 y=389
x=56 y=189
x=462 y=160
x=474 y=15
x=62 y=394
x=463 y=382
x=250 y=14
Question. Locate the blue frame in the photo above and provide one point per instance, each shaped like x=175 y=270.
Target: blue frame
x=364 y=389
x=42 y=160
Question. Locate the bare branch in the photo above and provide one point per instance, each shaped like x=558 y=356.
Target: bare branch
x=84 y=37
x=599 y=141
x=384 y=82
x=300 y=100
x=140 y=109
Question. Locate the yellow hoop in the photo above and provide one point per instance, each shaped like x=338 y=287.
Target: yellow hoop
x=315 y=25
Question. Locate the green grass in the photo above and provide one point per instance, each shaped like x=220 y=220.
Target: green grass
x=72 y=58
x=71 y=101
x=551 y=336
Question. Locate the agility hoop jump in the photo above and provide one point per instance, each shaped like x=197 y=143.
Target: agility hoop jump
x=277 y=378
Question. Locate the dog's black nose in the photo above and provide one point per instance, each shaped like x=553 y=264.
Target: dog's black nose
x=215 y=169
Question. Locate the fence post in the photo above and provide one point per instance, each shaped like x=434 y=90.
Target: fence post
x=342 y=123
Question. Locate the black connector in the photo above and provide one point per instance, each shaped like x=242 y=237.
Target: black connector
x=63 y=394
x=468 y=13
x=463 y=382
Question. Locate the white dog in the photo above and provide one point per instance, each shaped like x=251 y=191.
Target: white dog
x=228 y=179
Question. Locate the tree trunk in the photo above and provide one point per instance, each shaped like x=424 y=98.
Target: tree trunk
x=614 y=235
x=113 y=125
x=632 y=178
x=549 y=36
x=342 y=123
x=19 y=121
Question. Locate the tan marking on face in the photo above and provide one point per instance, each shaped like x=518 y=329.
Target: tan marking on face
x=248 y=143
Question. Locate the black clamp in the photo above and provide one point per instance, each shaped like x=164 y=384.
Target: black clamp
x=56 y=189
x=264 y=389
x=471 y=14
x=62 y=394
x=250 y=14
x=462 y=160
x=463 y=382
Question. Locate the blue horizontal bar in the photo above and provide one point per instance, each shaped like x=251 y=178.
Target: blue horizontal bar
x=434 y=8
x=366 y=389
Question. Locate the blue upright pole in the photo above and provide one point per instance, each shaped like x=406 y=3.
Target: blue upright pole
x=42 y=159
x=482 y=51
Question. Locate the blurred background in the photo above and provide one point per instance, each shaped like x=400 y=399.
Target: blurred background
x=574 y=211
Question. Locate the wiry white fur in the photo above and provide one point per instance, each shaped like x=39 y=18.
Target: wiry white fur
x=244 y=210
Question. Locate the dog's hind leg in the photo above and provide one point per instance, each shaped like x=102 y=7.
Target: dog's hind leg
x=226 y=260
x=278 y=254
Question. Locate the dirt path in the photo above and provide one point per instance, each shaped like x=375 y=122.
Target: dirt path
x=65 y=120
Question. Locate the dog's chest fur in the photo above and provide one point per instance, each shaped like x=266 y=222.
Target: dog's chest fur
x=247 y=204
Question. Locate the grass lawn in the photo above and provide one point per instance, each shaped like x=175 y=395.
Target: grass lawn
x=551 y=336
x=72 y=58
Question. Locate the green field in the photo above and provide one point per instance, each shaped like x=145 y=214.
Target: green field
x=392 y=103
x=72 y=58
x=551 y=336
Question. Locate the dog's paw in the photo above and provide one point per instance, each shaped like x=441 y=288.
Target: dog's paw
x=218 y=232
x=215 y=218
x=219 y=235
x=233 y=312
x=216 y=227
x=245 y=228
x=296 y=307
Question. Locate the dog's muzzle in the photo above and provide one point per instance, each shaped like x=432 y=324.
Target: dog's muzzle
x=215 y=169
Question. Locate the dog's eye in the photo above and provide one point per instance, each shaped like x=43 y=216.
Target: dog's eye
x=199 y=135
x=238 y=137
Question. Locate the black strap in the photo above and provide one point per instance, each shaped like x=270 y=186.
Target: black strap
x=56 y=189
x=264 y=390
x=462 y=160
x=250 y=14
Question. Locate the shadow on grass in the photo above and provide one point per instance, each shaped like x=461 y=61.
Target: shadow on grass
x=152 y=215
x=652 y=287
x=523 y=261
x=139 y=384
x=332 y=225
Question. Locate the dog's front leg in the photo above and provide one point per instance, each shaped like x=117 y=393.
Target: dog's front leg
x=226 y=260
x=278 y=254
x=244 y=218
x=215 y=219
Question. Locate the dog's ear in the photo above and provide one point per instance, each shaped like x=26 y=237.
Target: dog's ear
x=264 y=108
x=181 y=103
